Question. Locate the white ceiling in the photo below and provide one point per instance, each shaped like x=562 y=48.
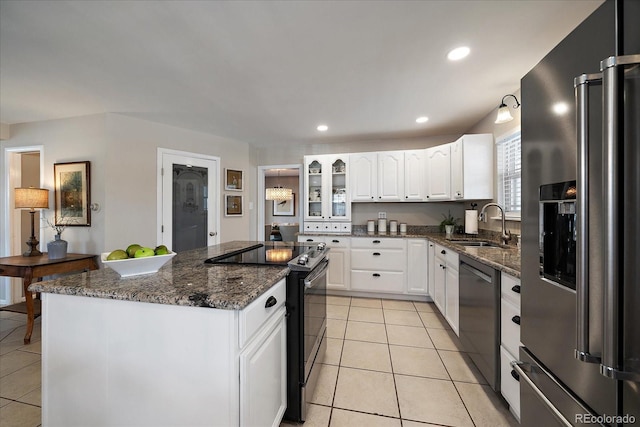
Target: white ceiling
x=268 y=72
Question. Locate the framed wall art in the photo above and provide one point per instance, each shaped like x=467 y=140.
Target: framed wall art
x=232 y=205
x=72 y=193
x=284 y=207
x=233 y=180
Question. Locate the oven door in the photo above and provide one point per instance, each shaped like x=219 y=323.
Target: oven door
x=315 y=325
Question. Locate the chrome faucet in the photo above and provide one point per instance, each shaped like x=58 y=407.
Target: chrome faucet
x=506 y=234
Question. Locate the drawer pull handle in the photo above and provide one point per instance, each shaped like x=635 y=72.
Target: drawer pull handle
x=376 y=241
x=309 y=240
x=515 y=375
x=376 y=274
x=335 y=241
x=443 y=252
x=516 y=289
x=271 y=301
x=376 y=254
x=516 y=320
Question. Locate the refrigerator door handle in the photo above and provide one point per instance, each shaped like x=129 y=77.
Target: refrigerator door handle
x=581 y=85
x=612 y=365
x=517 y=366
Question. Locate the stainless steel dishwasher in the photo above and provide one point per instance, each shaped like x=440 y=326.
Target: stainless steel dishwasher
x=480 y=317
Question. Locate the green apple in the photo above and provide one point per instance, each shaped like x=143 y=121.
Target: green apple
x=131 y=249
x=162 y=250
x=117 y=254
x=144 y=252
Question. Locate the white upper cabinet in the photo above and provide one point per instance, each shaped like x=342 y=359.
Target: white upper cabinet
x=364 y=177
x=439 y=172
x=415 y=175
x=327 y=188
x=472 y=167
x=391 y=176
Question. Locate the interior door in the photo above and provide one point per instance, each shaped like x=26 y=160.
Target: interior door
x=190 y=201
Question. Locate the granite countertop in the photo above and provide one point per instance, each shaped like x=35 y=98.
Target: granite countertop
x=506 y=259
x=185 y=280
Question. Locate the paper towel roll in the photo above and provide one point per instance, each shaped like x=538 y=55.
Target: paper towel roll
x=471 y=222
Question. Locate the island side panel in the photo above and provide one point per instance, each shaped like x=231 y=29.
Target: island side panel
x=110 y=363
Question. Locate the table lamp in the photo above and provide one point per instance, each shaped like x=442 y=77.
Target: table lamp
x=32 y=198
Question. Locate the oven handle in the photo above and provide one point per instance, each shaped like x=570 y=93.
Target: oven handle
x=316 y=274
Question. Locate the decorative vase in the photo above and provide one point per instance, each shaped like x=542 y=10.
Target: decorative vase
x=57 y=248
x=448 y=229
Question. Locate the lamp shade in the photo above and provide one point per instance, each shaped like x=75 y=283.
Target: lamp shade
x=504 y=115
x=32 y=198
x=279 y=193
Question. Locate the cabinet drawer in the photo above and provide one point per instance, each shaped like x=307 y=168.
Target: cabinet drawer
x=510 y=288
x=257 y=314
x=314 y=227
x=378 y=259
x=450 y=256
x=509 y=385
x=510 y=331
x=377 y=281
x=378 y=243
x=337 y=242
x=310 y=239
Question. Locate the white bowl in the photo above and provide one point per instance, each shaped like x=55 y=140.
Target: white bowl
x=136 y=266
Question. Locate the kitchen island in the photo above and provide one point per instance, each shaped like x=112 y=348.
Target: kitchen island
x=192 y=344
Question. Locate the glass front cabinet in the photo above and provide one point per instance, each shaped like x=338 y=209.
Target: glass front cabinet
x=327 y=188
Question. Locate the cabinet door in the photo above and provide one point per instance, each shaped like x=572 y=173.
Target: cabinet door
x=452 y=298
x=363 y=177
x=391 y=176
x=457 y=171
x=439 y=172
x=415 y=177
x=440 y=281
x=431 y=269
x=339 y=269
x=315 y=188
x=417 y=266
x=263 y=374
x=338 y=200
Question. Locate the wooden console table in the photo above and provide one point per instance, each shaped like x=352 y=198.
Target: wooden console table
x=30 y=268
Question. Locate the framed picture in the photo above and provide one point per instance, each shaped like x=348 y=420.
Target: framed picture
x=232 y=205
x=233 y=180
x=72 y=193
x=284 y=207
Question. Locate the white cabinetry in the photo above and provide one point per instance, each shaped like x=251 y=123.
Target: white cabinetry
x=339 y=274
x=327 y=199
x=364 y=177
x=417 y=266
x=439 y=172
x=431 y=268
x=472 y=167
x=510 y=341
x=202 y=366
x=391 y=176
x=378 y=265
x=415 y=175
x=446 y=286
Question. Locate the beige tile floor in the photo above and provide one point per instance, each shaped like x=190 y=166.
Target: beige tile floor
x=388 y=363
x=398 y=363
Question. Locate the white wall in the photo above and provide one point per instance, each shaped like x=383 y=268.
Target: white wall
x=123 y=155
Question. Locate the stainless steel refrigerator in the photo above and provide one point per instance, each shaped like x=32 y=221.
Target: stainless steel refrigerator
x=580 y=320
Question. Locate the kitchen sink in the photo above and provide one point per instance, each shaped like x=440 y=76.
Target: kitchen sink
x=477 y=243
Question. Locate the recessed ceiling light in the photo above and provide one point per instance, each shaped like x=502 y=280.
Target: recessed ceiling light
x=422 y=119
x=560 y=108
x=458 y=53
x=322 y=128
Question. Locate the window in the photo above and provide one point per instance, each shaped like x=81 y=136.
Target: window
x=510 y=173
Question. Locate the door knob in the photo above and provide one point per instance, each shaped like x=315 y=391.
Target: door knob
x=213 y=233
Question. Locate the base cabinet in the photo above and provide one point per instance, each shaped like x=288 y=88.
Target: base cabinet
x=510 y=340
x=417 y=267
x=132 y=363
x=446 y=286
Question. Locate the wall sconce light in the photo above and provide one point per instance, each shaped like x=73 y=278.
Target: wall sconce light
x=504 y=115
x=32 y=199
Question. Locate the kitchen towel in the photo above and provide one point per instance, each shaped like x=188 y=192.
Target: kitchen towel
x=471 y=221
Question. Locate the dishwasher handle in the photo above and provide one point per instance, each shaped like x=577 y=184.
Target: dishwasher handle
x=476 y=272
